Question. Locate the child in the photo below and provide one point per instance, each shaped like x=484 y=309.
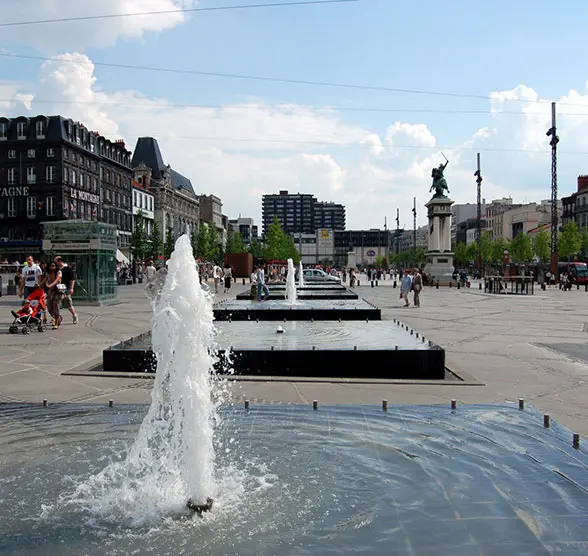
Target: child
x=25 y=311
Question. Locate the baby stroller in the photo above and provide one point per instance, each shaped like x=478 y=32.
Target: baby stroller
x=31 y=314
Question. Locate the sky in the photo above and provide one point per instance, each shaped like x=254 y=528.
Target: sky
x=395 y=87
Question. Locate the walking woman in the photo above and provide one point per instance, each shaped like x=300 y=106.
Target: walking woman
x=53 y=281
x=228 y=277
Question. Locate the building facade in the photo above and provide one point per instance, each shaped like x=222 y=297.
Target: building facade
x=143 y=200
x=462 y=213
x=329 y=216
x=246 y=227
x=366 y=246
x=301 y=213
x=406 y=239
x=53 y=168
x=575 y=207
x=176 y=206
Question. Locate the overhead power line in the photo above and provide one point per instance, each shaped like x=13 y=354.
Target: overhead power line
x=177 y=11
x=293 y=108
x=270 y=79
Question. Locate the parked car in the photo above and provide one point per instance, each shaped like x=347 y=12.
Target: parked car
x=318 y=275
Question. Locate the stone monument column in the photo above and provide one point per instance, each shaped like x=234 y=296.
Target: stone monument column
x=440 y=257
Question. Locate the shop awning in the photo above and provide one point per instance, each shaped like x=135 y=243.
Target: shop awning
x=120 y=257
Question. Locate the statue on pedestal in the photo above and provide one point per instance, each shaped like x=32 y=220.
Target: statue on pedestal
x=439 y=181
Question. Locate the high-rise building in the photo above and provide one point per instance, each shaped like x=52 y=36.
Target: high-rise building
x=246 y=227
x=301 y=213
x=329 y=216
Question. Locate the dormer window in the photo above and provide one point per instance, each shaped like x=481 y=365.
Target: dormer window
x=40 y=129
x=21 y=128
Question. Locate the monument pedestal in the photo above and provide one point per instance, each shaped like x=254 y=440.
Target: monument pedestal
x=440 y=256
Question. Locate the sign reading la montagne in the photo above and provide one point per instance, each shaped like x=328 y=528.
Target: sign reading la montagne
x=17 y=191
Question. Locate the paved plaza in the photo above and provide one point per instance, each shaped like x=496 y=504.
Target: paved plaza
x=504 y=347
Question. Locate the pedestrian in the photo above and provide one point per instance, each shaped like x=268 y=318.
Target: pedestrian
x=55 y=288
x=405 y=287
x=29 y=279
x=417 y=286
x=150 y=270
x=261 y=285
x=228 y=271
x=68 y=280
x=216 y=274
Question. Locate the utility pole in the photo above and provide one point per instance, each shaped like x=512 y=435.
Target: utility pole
x=478 y=175
x=552 y=132
x=414 y=230
x=397 y=230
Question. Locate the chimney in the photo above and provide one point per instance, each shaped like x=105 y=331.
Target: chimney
x=582 y=183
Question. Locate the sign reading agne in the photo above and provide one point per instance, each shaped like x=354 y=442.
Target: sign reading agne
x=18 y=191
x=371 y=253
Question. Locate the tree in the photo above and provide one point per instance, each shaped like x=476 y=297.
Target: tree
x=235 y=243
x=278 y=245
x=584 y=234
x=382 y=262
x=570 y=241
x=169 y=243
x=497 y=249
x=215 y=246
x=521 y=249
x=256 y=249
x=541 y=246
x=156 y=242
x=139 y=239
x=194 y=243
x=202 y=242
x=485 y=248
x=461 y=254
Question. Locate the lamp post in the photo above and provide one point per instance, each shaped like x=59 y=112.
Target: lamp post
x=552 y=132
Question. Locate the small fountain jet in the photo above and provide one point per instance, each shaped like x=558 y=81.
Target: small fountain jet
x=200 y=508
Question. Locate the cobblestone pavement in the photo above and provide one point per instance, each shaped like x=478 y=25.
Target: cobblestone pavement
x=508 y=345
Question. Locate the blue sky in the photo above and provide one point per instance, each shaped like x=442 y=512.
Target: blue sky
x=465 y=47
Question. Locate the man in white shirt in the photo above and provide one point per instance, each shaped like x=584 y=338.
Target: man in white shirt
x=216 y=274
x=30 y=276
x=150 y=271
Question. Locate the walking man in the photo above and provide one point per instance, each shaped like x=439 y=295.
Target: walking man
x=417 y=286
x=405 y=287
x=30 y=276
x=67 y=278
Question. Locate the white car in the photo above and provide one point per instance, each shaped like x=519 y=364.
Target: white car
x=318 y=275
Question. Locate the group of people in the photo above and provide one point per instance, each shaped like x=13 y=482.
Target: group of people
x=412 y=281
x=56 y=279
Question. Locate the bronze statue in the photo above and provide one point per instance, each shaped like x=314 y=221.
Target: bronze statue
x=439 y=182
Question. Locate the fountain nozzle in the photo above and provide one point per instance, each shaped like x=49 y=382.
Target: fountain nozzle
x=279 y=330
x=200 y=508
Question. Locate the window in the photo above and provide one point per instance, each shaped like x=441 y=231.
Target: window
x=50 y=174
x=81 y=180
x=31 y=175
x=65 y=154
x=12 y=153
x=31 y=153
x=73 y=177
x=40 y=127
x=3 y=131
x=51 y=153
x=31 y=207
x=21 y=130
x=11 y=176
x=50 y=205
x=11 y=207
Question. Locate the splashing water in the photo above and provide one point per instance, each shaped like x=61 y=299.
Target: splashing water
x=172 y=458
x=300 y=275
x=291 y=296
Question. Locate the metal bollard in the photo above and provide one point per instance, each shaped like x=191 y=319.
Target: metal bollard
x=546 y=422
x=394 y=284
x=576 y=440
x=451 y=285
x=480 y=286
x=437 y=285
x=110 y=403
x=372 y=283
x=384 y=405
x=44 y=403
x=521 y=403
x=247 y=404
x=243 y=281
x=453 y=404
x=315 y=405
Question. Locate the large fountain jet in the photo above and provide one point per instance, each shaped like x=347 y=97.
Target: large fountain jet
x=300 y=275
x=291 y=296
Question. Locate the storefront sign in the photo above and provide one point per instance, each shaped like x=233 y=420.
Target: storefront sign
x=371 y=253
x=93 y=244
x=19 y=191
x=84 y=196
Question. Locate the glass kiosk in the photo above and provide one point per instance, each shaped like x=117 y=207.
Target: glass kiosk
x=90 y=249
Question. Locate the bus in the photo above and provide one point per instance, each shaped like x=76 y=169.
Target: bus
x=578 y=270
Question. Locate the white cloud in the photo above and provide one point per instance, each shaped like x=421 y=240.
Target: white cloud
x=301 y=149
x=55 y=37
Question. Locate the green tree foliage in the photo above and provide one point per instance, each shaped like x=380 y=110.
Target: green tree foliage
x=584 y=250
x=569 y=241
x=497 y=249
x=156 y=247
x=461 y=254
x=169 y=243
x=542 y=246
x=207 y=245
x=278 y=245
x=256 y=249
x=382 y=262
x=485 y=248
x=235 y=243
x=139 y=239
x=521 y=250
x=411 y=258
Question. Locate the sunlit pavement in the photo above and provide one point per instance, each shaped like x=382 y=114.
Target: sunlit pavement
x=496 y=343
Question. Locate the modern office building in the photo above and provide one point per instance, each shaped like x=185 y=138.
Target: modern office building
x=246 y=227
x=329 y=216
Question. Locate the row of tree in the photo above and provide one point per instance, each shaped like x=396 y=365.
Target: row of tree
x=207 y=245
x=524 y=248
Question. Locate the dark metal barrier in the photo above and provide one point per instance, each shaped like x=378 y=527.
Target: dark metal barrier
x=513 y=285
